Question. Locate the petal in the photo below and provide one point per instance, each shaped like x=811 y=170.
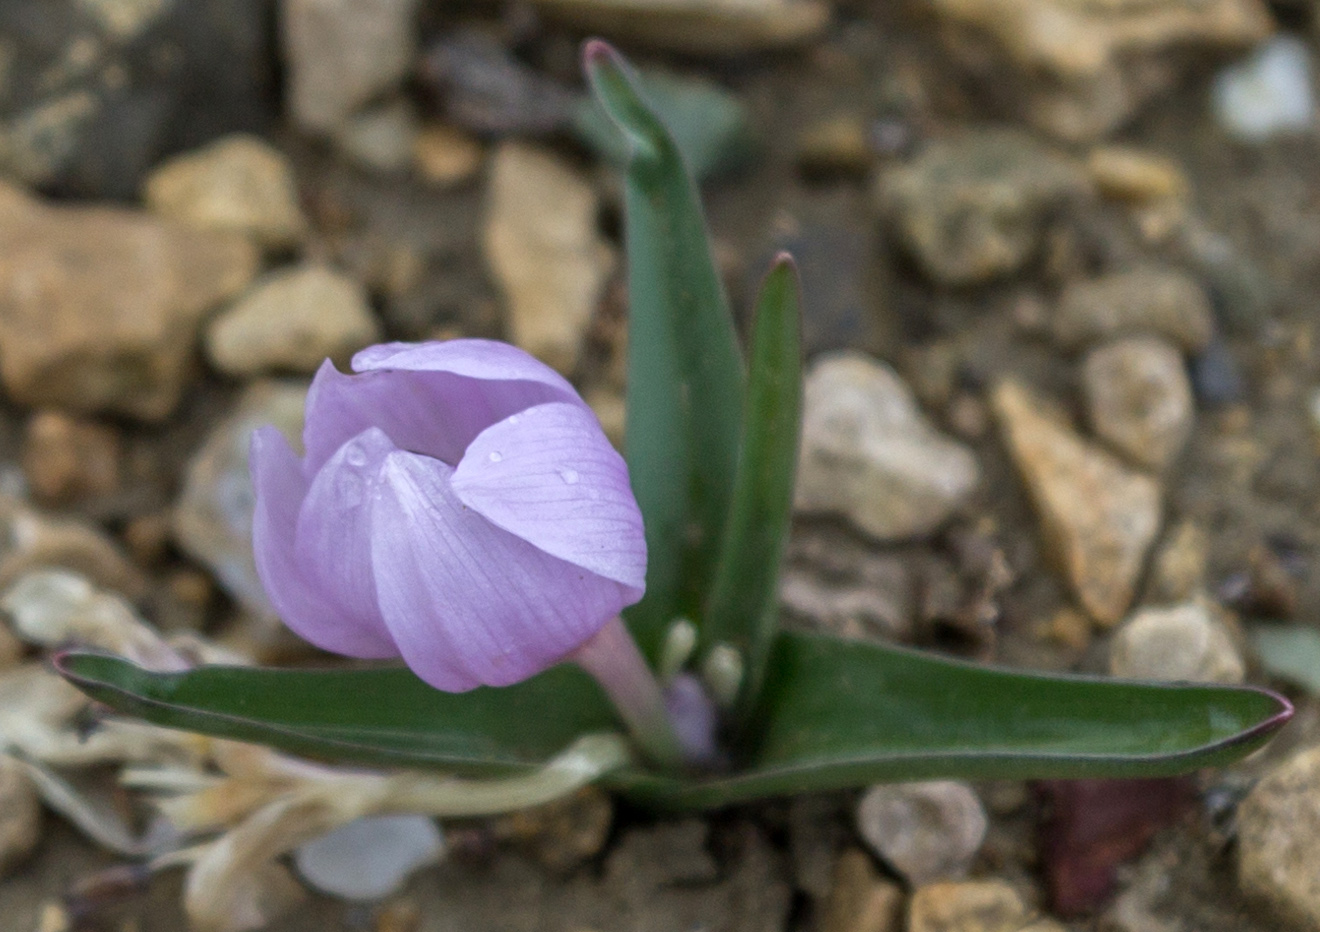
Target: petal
x=280 y=487
x=466 y=602
x=429 y=398
x=333 y=539
x=549 y=476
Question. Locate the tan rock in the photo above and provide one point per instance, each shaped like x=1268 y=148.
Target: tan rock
x=702 y=27
x=870 y=455
x=100 y=306
x=1133 y=175
x=1098 y=518
x=1279 y=839
x=1152 y=300
x=445 y=155
x=543 y=247
x=1139 y=399
x=292 y=321
x=1180 y=563
x=1181 y=642
x=67 y=458
x=238 y=184
x=972 y=906
x=926 y=831
x=860 y=900
x=20 y=815
x=30 y=539
x=1080 y=69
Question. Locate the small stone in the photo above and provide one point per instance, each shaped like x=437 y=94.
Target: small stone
x=1279 y=839
x=1182 y=642
x=870 y=455
x=1140 y=399
x=20 y=815
x=545 y=251
x=971 y=906
x=381 y=139
x=1180 y=563
x=1098 y=517
x=925 y=831
x=872 y=598
x=1269 y=93
x=716 y=27
x=1216 y=378
x=66 y=458
x=371 y=857
x=343 y=54
x=445 y=156
x=835 y=147
x=292 y=321
x=1151 y=300
x=976 y=208
x=562 y=835
x=31 y=540
x=238 y=184
x=213 y=516
x=100 y=306
x=1135 y=176
x=860 y=900
x=1080 y=70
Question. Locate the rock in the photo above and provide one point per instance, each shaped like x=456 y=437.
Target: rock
x=20 y=815
x=870 y=455
x=975 y=208
x=562 y=835
x=479 y=85
x=1269 y=93
x=292 y=321
x=545 y=252
x=445 y=156
x=817 y=832
x=1080 y=70
x=1279 y=839
x=1098 y=518
x=100 y=90
x=1216 y=378
x=1139 y=399
x=1151 y=300
x=1181 y=642
x=1178 y=569
x=30 y=540
x=835 y=147
x=213 y=516
x=860 y=900
x=371 y=857
x=380 y=139
x=1135 y=176
x=343 y=54
x=238 y=184
x=925 y=831
x=872 y=598
x=66 y=458
x=979 y=906
x=713 y=27
x=100 y=307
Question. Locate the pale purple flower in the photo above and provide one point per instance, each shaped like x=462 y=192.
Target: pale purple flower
x=458 y=506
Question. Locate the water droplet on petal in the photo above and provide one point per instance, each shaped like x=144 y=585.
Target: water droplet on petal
x=514 y=418
x=496 y=456
x=569 y=476
x=355 y=455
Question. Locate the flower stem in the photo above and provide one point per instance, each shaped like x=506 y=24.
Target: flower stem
x=612 y=657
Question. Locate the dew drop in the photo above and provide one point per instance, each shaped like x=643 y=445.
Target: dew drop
x=355 y=456
x=515 y=418
x=569 y=476
x=496 y=456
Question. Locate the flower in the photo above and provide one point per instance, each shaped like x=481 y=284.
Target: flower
x=458 y=506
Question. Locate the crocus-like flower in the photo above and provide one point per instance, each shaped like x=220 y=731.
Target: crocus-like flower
x=458 y=506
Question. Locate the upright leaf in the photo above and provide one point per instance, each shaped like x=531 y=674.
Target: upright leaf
x=743 y=608
x=684 y=394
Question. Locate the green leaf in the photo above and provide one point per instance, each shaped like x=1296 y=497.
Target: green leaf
x=834 y=714
x=841 y=714
x=1290 y=652
x=684 y=394
x=381 y=715
x=710 y=126
x=743 y=608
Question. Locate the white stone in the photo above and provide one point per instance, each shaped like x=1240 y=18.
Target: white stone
x=869 y=454
x=371 y=857
x=925 y=831
x=1181 y=642
x=1269 y=93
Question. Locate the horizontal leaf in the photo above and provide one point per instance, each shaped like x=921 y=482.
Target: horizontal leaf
x=375 y=715
x=684 y=395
